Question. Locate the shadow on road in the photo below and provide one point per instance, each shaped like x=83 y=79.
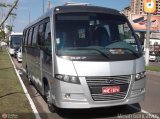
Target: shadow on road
x=98 y=112
x=5 y=68
x=12 y=93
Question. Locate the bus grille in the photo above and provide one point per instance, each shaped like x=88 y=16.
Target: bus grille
x=95 y=85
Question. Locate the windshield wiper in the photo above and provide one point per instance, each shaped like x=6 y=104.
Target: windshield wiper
x=80 y=48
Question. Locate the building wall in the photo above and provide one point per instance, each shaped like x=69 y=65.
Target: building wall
x=137 y=7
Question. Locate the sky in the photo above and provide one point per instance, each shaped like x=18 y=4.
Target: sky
x=35 y=8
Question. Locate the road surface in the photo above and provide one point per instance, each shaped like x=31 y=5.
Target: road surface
x=149 y=105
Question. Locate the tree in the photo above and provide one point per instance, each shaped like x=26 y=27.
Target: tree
x=5 y=17
x=2 y=34
x=10 y=11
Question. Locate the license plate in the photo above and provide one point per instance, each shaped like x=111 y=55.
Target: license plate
x=110 y=89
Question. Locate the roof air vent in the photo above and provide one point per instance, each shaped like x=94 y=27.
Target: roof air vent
x=76 y=4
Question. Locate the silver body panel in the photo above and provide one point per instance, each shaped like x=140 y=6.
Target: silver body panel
x=80 y=96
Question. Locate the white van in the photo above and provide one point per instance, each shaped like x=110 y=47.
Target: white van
x=15 y=42
x=83 y=56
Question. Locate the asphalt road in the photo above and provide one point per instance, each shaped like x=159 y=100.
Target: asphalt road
x=149 y=105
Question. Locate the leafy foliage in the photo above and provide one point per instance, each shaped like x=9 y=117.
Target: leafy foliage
x=2 y=34
x=9 y=12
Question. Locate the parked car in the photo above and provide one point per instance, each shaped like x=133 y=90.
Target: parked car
x=154 y=56
x=19 y=54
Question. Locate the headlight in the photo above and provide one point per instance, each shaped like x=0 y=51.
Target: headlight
x=140 y=75
x=13 y=50
x=68 y=79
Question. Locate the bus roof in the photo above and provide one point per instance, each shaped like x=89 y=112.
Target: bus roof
x=75 y=8
x=85 y=8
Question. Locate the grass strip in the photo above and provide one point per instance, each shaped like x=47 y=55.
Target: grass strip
x=153 y=68
x=12 y=98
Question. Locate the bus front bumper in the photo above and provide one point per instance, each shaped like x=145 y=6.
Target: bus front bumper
x=75 y=104
x=76 y=97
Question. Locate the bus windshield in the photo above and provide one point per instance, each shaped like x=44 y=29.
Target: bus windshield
x=16 y=41
x=95 y=35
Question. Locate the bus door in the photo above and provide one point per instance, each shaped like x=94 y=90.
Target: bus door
x=47 y=52
x=39 y=56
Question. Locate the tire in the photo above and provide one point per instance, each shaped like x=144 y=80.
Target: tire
x=156 y=60
x=27 y=75
x=15 y=56
x=51 y=107
x=124 y=106
x=30 y=81
x=18 y=60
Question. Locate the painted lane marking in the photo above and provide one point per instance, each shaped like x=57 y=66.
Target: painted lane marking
x=35 y=111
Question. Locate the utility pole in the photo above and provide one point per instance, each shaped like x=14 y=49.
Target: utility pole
x=147 y=39
x=149 y=7
x=49 y=4
x=43 y=6
x=29 y=18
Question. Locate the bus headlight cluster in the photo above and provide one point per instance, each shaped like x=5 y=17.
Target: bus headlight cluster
x=68 y=78
x=140 y=75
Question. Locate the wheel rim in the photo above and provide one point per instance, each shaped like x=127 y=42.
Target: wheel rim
x=48 y=96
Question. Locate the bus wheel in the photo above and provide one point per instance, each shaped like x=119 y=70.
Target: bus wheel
x=48 y=98
x=30 y=81
x=27 y=72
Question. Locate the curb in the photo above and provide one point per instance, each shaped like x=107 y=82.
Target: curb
x=34 y=109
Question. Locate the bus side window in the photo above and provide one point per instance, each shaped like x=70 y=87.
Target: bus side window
x=23 y=41
x=26 y=38
x=41 y=35
x=47 y=42
x=30 y=37
x=34 y=41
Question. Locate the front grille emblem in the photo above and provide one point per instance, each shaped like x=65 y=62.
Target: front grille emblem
x=110 y=81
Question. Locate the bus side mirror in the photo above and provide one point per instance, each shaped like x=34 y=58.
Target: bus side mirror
x=137 y=36
x=141 y=40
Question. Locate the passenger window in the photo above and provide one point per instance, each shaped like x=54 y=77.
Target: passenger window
x=30 y=37
x=23 y=42
x=35 y=31
x=40 y=35
x=47 y=42
x=26 y=38
x=81 y=33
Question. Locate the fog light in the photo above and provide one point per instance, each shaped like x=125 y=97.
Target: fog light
x=67 y=95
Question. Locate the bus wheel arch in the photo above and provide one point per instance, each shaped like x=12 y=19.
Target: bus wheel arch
x=47 y=94
x=28 y=75
x=45 y=84
x=27 y=70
